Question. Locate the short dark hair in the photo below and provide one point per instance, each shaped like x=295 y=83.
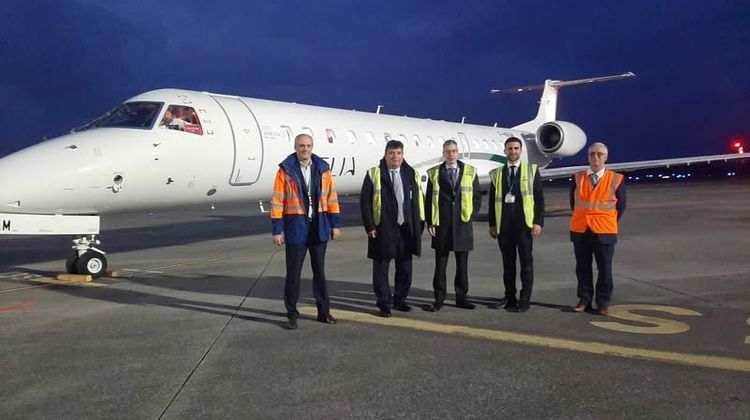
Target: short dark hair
x=513 y=139
x=393 y=144
x=450 y=142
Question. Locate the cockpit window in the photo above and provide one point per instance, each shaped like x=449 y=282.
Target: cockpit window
x=182 y=118
x=128 y=115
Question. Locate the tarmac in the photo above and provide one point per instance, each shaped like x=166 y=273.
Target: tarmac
x=194 y=325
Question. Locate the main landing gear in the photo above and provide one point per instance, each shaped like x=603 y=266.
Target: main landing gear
x=86 y=258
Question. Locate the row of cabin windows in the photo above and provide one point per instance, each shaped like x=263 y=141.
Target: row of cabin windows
x=351 y=137
x=184 y=118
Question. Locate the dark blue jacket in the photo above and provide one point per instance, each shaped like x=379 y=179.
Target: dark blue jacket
x=296 y=227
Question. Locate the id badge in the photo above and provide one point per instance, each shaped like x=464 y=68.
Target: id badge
x=510 y=198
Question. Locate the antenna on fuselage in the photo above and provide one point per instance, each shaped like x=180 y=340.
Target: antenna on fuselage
x=377 y=111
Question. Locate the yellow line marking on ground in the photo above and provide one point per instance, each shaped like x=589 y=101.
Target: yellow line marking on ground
x=656 y=325
x=19 y=289
x=591 y=347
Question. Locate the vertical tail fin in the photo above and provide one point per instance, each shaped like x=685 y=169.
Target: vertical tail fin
x=548 y=103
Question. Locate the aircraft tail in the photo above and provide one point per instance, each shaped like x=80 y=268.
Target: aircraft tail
x=548 y=103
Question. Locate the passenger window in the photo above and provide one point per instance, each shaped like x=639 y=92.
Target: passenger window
x=416 y=140
x=430 y=143
x=352 y=137
x=330 y=135
x=485 y=144
x=402 y=139
x=308 y=131
x=182 y=118
x=370 y=138
x=387 y=137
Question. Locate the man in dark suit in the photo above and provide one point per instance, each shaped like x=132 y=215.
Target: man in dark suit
x=597 y=197
x=392 y=207
x=453 y=199
x=516 y=216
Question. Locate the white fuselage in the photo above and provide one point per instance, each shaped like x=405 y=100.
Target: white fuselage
x=234 y=157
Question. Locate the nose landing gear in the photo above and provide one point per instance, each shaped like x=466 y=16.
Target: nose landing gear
x=86 y=258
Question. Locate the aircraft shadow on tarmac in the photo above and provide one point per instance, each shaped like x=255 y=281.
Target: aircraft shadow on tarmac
x=15 y=251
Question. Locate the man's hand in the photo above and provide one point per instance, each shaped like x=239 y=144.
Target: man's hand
x=335 y=233
x=493 y=232
x=536 y=230
x=432 y=230
x=278 y=240
x=372 y=234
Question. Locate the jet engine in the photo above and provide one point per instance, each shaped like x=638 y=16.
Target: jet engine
x=558 y=139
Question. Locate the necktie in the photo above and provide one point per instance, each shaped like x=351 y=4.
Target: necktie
x=398 y=190
x=512 y=175
x=594 y=180
x=452 y=176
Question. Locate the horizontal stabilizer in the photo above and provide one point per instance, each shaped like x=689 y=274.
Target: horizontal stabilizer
x=563 y=83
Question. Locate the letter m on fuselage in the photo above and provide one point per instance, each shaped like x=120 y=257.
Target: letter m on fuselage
x=6 y=224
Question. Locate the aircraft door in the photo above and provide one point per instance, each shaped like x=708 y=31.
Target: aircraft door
x=465 y=151
x=248 y=142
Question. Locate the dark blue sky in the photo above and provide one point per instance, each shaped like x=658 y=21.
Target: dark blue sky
x=64 y=62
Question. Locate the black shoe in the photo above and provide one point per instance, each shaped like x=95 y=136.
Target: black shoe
x=465 y=304
x=385 y=313
x=510 y=305
x=523 y=307
x=403 y=307
x=327 y=319
x=291 y=324
x=435 y=307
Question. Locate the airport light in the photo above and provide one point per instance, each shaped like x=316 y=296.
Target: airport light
x=738 y=145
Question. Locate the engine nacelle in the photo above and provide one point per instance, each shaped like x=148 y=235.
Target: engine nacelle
x=558 y=139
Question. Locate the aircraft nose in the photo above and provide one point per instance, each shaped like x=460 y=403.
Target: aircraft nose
x=44 y=178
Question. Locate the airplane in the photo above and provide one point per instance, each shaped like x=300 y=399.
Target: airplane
x=172 y=147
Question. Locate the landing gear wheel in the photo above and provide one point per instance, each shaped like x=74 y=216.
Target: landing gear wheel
x=93 y=263
x=70 y=263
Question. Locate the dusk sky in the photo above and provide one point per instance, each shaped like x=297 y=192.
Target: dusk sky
x=64 y=62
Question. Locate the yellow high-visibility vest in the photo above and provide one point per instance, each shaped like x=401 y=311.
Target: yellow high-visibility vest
x=527 y=191
x=377 y=197
x=467 y=192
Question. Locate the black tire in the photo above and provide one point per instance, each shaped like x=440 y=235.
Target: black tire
x=70 y=263
x=93 y=263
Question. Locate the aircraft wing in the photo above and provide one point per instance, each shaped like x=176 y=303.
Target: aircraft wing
x=567 y=171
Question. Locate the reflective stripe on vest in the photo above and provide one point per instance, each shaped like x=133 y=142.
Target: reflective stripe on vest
x=595 y=208
x=377 y=197
x=527 y=172
x=467 y=193
x=286 y=198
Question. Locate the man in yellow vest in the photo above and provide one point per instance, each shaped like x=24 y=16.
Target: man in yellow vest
x=392 y=207
x=453 y=199
x=516 y=216
x=597 y=197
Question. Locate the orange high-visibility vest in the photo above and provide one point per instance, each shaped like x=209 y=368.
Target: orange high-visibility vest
x=595 y=208
x=287 y=198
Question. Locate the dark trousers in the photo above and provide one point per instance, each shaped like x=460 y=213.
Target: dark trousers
x=295 y=257
x=517 y=243
x=585 y=248
x=402 y=281
x=461 y=281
